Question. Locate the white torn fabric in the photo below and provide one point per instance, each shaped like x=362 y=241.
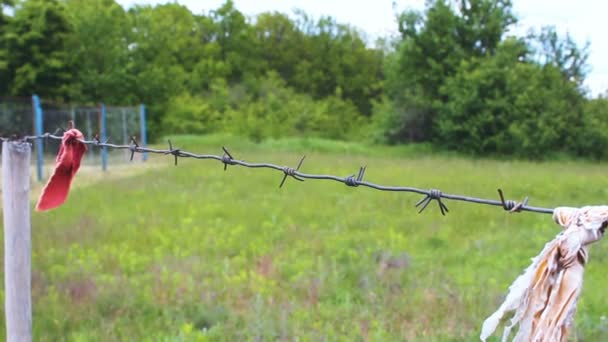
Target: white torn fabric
x=543 y=299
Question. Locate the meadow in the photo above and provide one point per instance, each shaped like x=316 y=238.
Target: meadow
x=193 y=253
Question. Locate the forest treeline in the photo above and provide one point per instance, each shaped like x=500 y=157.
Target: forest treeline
x=454 y=75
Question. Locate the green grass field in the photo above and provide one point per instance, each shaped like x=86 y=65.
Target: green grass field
x=193 y=253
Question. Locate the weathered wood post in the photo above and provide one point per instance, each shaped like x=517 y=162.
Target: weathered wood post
x=17 y=240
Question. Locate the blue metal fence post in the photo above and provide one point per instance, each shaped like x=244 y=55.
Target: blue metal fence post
x=104 y=138
x=142 y=122
x=38 y=117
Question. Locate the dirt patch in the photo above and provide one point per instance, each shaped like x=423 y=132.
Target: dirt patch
x=90 y=174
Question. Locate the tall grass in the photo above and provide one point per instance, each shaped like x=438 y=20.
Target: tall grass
x=193 y=253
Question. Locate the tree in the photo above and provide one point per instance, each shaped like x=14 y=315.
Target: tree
x=279 y=43
x=482 y=25
x=505 y=104
x=433 y=45
x=210 y=66
x=36 y=41
x=5 y=4
x=99 y=48
x=561 y=52
x=163 y=53
x=334 y=57
x=237 y=42
x=4 y=22
x=593 y=137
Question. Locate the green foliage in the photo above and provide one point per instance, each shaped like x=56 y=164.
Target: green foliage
x=594 y=132
x=237 y=45
x=99 y=47
x=455 y=80
x=37 y=57
x=333 y=56
x=279 y=43
x=504 y=105
x=176 y=56
x=161 y=47
x=263 y=108
x=433 y=45
x=561 y=52
x=192 y=253
x=452 y=77
x=189 y=114
x=4 y=21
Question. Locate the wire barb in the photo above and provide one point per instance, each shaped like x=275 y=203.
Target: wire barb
x=291 y=172
x=227 y=158
x=133 y=147
x=174 y=152
x=96 y=140
x=354 y=182
x=58 y=131
x=431 y=195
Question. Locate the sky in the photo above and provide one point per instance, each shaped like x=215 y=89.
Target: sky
x=584 y=19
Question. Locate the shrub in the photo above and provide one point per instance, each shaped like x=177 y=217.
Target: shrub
x=262 y=108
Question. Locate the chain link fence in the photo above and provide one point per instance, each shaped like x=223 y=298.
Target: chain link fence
x=24 y=116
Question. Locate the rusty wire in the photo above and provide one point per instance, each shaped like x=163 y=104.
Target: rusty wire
x=353 y=181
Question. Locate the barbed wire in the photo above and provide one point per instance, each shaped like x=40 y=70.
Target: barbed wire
x=227 y=159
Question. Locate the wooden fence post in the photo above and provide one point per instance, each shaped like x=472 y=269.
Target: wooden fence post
x=17 y=240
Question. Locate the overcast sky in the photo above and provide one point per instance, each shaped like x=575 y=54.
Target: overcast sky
x=585 y=20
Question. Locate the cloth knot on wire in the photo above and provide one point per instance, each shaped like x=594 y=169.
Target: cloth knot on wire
x=352 y=181
x=289 y=171
x=435 y=194
x=133 y=147
x=174 y=152
x=432 y=194
x=510 y=205
x=227 y=158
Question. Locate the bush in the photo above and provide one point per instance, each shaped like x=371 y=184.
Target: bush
x=190 y=114
x=508 y=106
x=262 y=108
x=593 y=139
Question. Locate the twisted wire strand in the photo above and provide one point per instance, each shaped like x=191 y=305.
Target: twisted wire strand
x=353 y=181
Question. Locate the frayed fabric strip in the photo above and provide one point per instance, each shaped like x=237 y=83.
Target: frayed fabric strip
x=67 y=163
x=542 y=301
